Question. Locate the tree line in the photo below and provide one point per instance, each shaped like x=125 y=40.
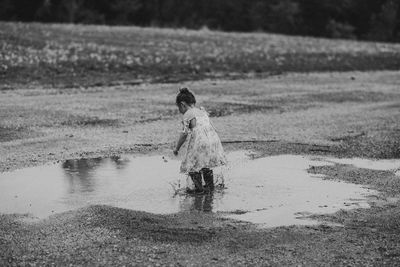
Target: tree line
x=377 y=20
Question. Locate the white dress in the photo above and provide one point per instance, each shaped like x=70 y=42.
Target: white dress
x=204 y=148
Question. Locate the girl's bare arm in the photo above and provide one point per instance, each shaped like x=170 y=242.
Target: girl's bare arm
x=181 y=140
x=183 y=136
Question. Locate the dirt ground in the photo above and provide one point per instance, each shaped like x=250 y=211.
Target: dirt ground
x=350 y=114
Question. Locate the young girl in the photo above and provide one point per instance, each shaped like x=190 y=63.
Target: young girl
x=204 y=149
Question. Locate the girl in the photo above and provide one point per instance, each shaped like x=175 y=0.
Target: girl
x=204 y=149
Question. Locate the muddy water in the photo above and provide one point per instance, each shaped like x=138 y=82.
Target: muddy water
x=271 y=191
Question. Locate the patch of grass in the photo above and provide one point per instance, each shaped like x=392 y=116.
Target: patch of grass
x=386 y=145
x=218 y=109
x=353 y=96
x=14 y=133
x=76 y=55
x=89 y=121
x=385 y=181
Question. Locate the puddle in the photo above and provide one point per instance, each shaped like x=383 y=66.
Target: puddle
x=271 y=191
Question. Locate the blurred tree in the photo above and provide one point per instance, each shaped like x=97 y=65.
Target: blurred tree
x=258 y=15
x=19 y=10
x=58 y=10
x=368 y=19
x=336 y=29
x=396 y=30
x=6 y=10
x=384 y=24
x=156 y=8
x=232 y=15
x=44 y=12
x=359 y=13
x=123 y=11
x=284 y=16
x=315 y=16
x=72 y=7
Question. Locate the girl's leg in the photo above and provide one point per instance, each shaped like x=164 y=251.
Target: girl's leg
x=208 y=178
x=198 y=185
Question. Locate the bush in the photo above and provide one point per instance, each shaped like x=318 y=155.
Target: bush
x=383 y=25
x=336 y=29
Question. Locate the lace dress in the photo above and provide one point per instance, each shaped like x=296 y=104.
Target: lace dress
x=204 y=148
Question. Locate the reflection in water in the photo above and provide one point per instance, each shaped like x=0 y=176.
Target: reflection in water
x=203 y=202
x=80 y=173
x=120 y=163
x=269 y=191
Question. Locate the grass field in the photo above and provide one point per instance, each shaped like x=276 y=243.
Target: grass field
x=74 y=55
x=72 y=92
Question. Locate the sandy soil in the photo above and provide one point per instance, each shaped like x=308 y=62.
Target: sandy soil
x=339 y=114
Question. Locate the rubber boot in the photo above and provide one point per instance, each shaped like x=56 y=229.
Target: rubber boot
x=197 y=181
x=208 y=179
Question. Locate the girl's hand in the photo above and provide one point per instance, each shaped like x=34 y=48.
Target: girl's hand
x=175 y=152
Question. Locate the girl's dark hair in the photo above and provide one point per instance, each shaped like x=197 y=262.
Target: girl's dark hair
x=186 y=96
